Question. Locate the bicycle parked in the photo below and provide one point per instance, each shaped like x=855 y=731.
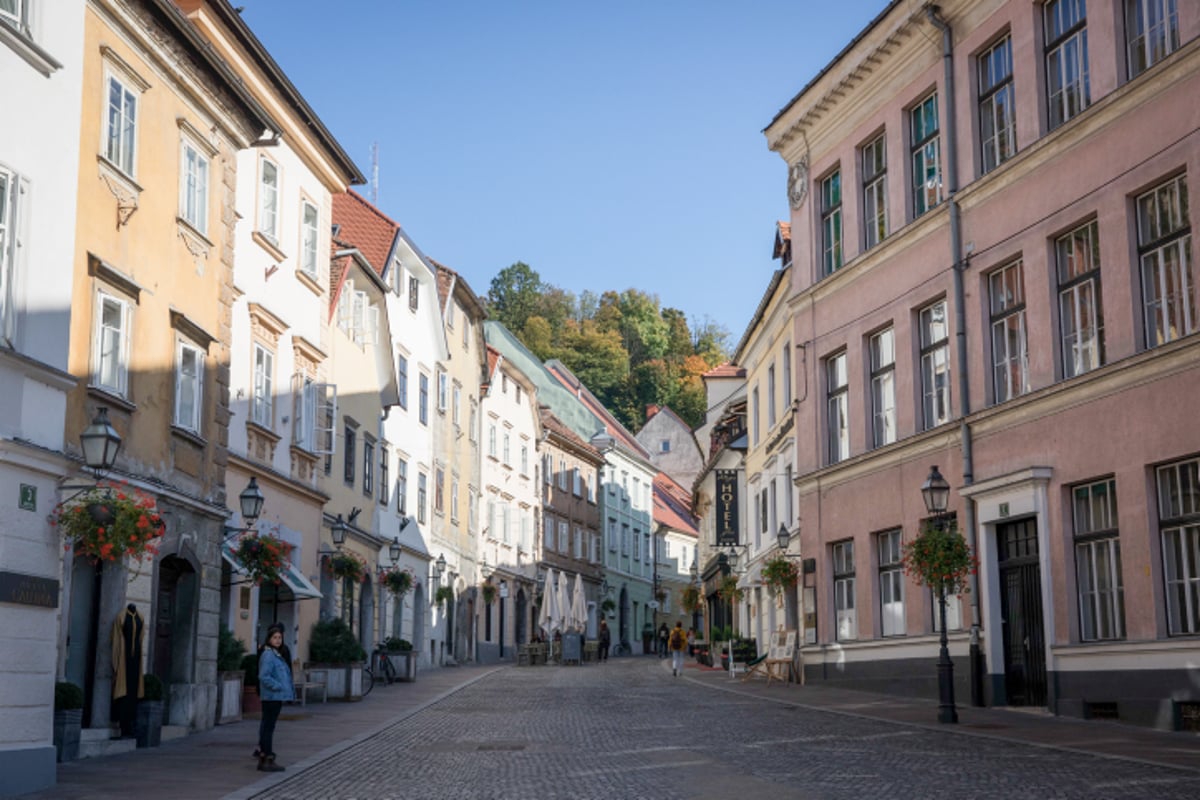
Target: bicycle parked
x=378 y=668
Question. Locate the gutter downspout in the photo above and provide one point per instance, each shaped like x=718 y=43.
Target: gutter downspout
x=959 y=265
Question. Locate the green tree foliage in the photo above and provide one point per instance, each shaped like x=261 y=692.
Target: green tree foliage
x=628 y=350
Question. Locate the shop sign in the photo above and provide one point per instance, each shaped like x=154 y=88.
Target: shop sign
x=727 y=507
x=28 y=590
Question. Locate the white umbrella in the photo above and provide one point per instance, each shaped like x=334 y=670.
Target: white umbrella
x=549 y=612
x=579 y=612
x=562 y=603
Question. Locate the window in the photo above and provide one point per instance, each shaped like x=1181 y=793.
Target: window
x=953 y=612
x=110 y=356
x=997 y=111
x=454 y=500
x=262 y=406
x=1098 y=561
x=883 y=388
x=576 y=482
x=193 y=187
x=456 y=397
x=548 y=533
x=1152 y=30
x=754 y=413
x=1068 y=89
x=443 y=391
x=524 y=459
x=384 y=484
x=422 y=496
x=423 y=399
x=120 y=134
x=466 y=332
x=935 y=365
x=789 y=511
x=304 y=412
x=189 y=386
x=1010 y=352
x=874 y=179
x=350 y=455
x=664 y=446
x=268 y=199
x=786 y=360
x=837 y=407
x=637 y=545
x=1080 y=313
x=402 y=486
x=11 y=190
x=507 y=450
x=413 y=286
x=439 y=490
x=926 y=155
x=843 y=590
x=492 y=440
x=564 y=534
x=402 y=380
x=368 y=466
x=1179 y=523
x=15 y=12
x=612 y=535
x=562 y=474
x=450 y=314
x=624 y=539
x=309 y=228
x=471 y=427
x=831 y=222
x=578 y=546
x=1165 y=253
x=771 y=396
x=891 y=584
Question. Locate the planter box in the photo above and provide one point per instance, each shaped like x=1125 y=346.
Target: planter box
x=148 y=728
x=67 y=725
x=229 y=696
x=342 y=681
x=405 y=664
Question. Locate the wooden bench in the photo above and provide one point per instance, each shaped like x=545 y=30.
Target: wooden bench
x=314 y=679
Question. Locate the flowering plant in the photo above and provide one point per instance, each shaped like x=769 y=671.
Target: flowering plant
x=779 y=574
x=940 y=559
x=489 y=593
x=348 y=565
x=729 y=590
x=398 y=581
x=109 y=522
x=690 y=599
x=443 y=595
x=264 y=556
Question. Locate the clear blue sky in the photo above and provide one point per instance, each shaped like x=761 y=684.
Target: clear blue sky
x=608 y=144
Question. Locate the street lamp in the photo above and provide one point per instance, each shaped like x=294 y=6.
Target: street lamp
x=251 y=501
x=394 y=550
x=338 y=531
x=100 y=443
x=439 y=567
x=485 y=569
x=936 y=493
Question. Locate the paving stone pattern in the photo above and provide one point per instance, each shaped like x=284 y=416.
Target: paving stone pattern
x=628 y=729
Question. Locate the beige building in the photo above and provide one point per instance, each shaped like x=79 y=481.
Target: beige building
x=281 y=394
x=162 y=123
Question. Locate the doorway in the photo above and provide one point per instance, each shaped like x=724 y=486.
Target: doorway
x=1022 y=624
x=174 y=628
x=522 y=632
x=82 y=630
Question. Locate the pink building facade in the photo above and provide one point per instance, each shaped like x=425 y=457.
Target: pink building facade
x=994 y=273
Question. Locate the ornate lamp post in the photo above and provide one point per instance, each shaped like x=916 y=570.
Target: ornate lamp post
x=936 y=493
x=338 y=531
x=100 y=443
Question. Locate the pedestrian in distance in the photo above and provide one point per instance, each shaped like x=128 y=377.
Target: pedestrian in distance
x=663 y=634
x=275 y=686
x=605 y=640
x=678 y=642
x=691 y=641
x=287 y=658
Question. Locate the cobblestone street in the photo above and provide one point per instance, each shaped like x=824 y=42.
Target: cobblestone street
x=628 y=729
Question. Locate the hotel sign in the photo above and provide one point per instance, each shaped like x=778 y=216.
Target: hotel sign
x=727 y=507
x=28 y=590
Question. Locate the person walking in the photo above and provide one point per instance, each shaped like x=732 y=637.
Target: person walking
x=663 y=633
x=605 y=640
x=274 y=686
x=691 y=641
x=678 y=643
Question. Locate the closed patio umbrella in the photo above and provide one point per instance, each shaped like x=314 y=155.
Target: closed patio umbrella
x=579 y=612
x=549 y=612
x=562 y=603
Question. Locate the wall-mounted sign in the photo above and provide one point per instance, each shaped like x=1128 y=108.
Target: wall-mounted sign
x=727 y=507
x=1004 y=509
x=27 y=499
x=28 y=590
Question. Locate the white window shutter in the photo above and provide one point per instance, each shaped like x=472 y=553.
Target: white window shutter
x=326 y=418
x=372 y=324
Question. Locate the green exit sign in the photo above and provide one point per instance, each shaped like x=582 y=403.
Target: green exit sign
x=28 y=497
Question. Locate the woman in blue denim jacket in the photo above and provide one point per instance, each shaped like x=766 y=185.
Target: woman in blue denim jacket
x=274 y=686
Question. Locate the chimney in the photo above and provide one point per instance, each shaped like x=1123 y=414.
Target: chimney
x=651 y=410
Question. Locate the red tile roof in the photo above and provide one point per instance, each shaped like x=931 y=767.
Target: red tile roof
x=672 y=505
x=556 y=426
x=725 y=370
x=365 y=227
x=611 y=426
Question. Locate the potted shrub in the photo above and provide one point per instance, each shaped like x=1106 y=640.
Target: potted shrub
x=230 y=652
x=780 y=574
x=333 y=650
x=109 y=522
x=251 y=702
x=148 y=728
x=68 y=719
x=400 y=653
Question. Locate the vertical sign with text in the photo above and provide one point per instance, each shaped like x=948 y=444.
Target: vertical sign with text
x=727 y=507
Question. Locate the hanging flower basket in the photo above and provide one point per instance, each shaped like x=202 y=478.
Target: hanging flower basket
x=779 y=574
x=489 y=593
x=443 y=595
x=398 y=581
x=729 y=591
x=264 y=556
x=690 y=599
x=110 y=522
x=940 y=559
x=348 y=566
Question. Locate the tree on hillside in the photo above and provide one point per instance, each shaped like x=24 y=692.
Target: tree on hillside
x=514 y=295
x=596 y=357
x=710 y=341
x=642 y=327
x=538 y=336
x=679 y=338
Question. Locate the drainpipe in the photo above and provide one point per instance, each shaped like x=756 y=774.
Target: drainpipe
x=960 y=322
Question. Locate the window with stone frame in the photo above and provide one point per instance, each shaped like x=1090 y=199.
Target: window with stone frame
x=268 y=199
x=1178 y=487
x=1098 y=579
x=1010 y=341
x=882 y=349
x=189 y=386
x=110 y=343
x=310 y=226
x=1068 y=85
x=120 y=120
x=843 y=591
x=368 y=487
x=262 y=403
x=1165 y=255
x=349 y=454
x=926 y=143
x=837 y=397
x=1151 y=33
x=423 y=399
x=891 y=583
x=997 y=104
x=439 y=490
x=874 y=191
x=935 y=364
x=402 y=486
x=831 y=222
x=385 y=485
x=193 y=185
x=13 y=190
x=422 y=497
x=1080 y=310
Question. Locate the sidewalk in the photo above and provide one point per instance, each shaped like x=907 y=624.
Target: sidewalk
x=217 y=763
x=1035 y=727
